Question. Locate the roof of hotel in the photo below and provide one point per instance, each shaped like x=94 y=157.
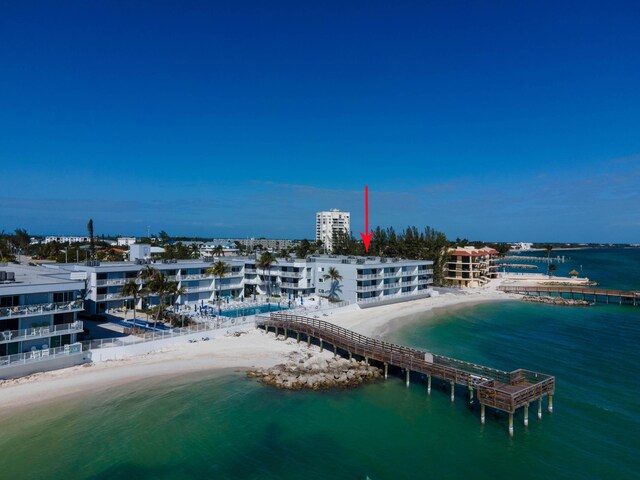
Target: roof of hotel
x=472 y=251
x=36 y=276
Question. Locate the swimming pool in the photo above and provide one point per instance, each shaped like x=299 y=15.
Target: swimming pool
x=245 y=312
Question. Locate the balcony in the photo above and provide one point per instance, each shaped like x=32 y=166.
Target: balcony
x=200 y=289
x=40 y=332
x=369 y=276
x=288 y=274
x=40 y=355
x=114 y=281
x=101 y=297
x=40 y=309
x=368 y=288
x=391 y=274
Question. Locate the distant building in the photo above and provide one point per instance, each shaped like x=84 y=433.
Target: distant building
x=329 y=224
x=470 y=266
x=125 y=241
x=66 y=239
x=521 y=246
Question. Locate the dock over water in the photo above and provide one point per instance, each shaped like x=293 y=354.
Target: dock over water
x=497 y=389
x=594 y=295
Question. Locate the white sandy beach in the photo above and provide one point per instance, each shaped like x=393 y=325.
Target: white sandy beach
x=252 y=349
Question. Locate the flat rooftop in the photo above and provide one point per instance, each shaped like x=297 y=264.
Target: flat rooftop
x=28 y=276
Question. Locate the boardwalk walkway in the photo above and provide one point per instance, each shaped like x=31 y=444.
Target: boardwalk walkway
x=594 y=295
x=505 y=391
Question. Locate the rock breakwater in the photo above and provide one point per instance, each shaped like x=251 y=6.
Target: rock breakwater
x=556 y=301
x=304 y=371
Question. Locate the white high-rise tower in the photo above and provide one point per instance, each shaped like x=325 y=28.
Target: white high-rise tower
x=329 y=223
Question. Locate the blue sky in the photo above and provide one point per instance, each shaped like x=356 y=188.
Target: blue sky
x=499 y=120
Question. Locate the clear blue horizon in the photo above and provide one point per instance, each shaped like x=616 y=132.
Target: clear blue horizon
x=502 y=121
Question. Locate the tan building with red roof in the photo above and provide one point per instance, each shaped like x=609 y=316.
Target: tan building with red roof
x=470 y=266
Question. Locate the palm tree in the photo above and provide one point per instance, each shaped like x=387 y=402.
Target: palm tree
x=219 y=269
x=91 y=241
x=265 y=262
x=162 y=287
x=334 y=275
x=174 y=292
x=218 y=251
x=131 y=289
x=552 y=268
x=548 y=248
x=145 y=276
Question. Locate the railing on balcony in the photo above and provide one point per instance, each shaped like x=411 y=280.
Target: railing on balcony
x=288 y=285
x=392 y=274
x=368 y=288
x=40 y=355
x=40 y=309
x=114 y=281
x=288 y=274
x=38 y=332
x=110 y=296
x=199 y=289
x=369 y=276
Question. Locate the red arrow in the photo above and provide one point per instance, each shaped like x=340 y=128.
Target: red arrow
x=366 y=237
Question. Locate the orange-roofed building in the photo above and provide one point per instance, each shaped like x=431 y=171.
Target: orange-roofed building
x=471 y=267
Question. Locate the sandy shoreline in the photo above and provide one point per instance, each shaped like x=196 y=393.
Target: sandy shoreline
x=252 y=349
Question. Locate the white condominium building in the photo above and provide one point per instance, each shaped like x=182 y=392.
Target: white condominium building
x=38 y=323
x=329 y=223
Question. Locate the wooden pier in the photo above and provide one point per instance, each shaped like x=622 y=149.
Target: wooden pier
x=593 y=295
x=503 y=391
x=558 y=259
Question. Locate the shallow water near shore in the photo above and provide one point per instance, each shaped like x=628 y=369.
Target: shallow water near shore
x=229 y=426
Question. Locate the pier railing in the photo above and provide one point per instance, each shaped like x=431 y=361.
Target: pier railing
x=496 y=388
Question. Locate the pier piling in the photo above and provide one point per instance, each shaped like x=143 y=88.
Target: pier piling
x=526 y=415
x=540 y=409
x=510 y=424
x=550 y=403
x=482 y=413
x=408 y=375
x=386 y=370
x=321 y=345
x=428 y=384
x=453 y=391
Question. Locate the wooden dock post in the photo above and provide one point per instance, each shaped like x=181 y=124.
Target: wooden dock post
x=511 y=424
x=526 y=415
x=366 y=361
x=540 y=408
x=275 y=331
x=470 y=394
x=286 y=334
x=453 y=391
x=298 y=337
x=428 y=384
x=408 y=375
x=350 y=356
x=482 y=409
x=386 y=370
x=550 y=403
x=321 y=345
x=335 y=351
x=308 y=340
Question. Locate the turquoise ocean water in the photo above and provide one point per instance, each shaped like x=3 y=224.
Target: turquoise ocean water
x=228 y=426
